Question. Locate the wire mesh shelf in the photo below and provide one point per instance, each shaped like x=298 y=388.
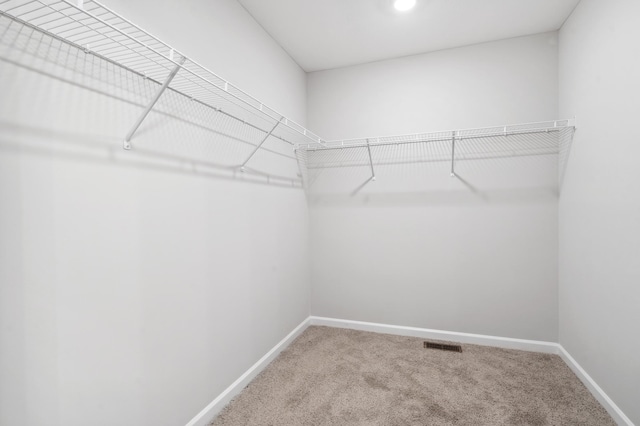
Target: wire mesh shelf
x=540 y=145
x=86 y=43
x=464 y=134
x=97 y=30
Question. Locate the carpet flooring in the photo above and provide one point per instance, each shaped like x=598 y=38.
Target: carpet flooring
x=331 y=376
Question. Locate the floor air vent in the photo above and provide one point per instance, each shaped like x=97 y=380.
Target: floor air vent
x=443 y=347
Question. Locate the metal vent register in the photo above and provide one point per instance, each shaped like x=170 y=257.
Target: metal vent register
x=443 y=346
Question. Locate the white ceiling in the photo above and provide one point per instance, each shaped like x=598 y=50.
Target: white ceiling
x=324 y=34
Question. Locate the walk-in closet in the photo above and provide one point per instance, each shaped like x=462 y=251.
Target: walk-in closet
x=304 y=212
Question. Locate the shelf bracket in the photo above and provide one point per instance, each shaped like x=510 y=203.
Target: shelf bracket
x=127 y=140
x=453 y=153
x=373 y=172
x=259 y=145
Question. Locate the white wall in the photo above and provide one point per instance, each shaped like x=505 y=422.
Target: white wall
x=442 y=256
x=222 y=36
x=133 y=288
x=599 y=204
x=482 y=85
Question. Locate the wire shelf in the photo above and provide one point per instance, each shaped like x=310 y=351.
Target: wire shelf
x=86 y=43
x=541 y=145
x=92 y=27
x=464 y=134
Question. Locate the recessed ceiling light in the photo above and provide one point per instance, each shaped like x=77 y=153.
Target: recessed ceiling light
x=404 y=5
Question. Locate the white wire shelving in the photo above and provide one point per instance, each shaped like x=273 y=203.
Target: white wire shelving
x=64 y=33
x=91 y=26
x=447 y=135
x=539 y=139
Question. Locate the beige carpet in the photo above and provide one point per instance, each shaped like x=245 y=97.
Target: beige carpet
x=332 y=376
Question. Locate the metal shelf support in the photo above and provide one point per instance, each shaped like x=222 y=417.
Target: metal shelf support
x=259 y=145
x=453 y=154
x=127 y=140
x=373 y=172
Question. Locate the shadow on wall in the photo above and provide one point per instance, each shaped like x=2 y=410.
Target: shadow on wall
x=58 y=100
x=497 y=169
x=524 y=195
x=91 y=148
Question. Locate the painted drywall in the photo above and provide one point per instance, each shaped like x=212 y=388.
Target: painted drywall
x=422 y=249
x=135 y=288
x=482 y=85
x=222 y=36
x=599 y=203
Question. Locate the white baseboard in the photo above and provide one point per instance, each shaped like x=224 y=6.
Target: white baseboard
x=614 y=411
x=206 y=415
x=475 y=339
x=210 y=411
